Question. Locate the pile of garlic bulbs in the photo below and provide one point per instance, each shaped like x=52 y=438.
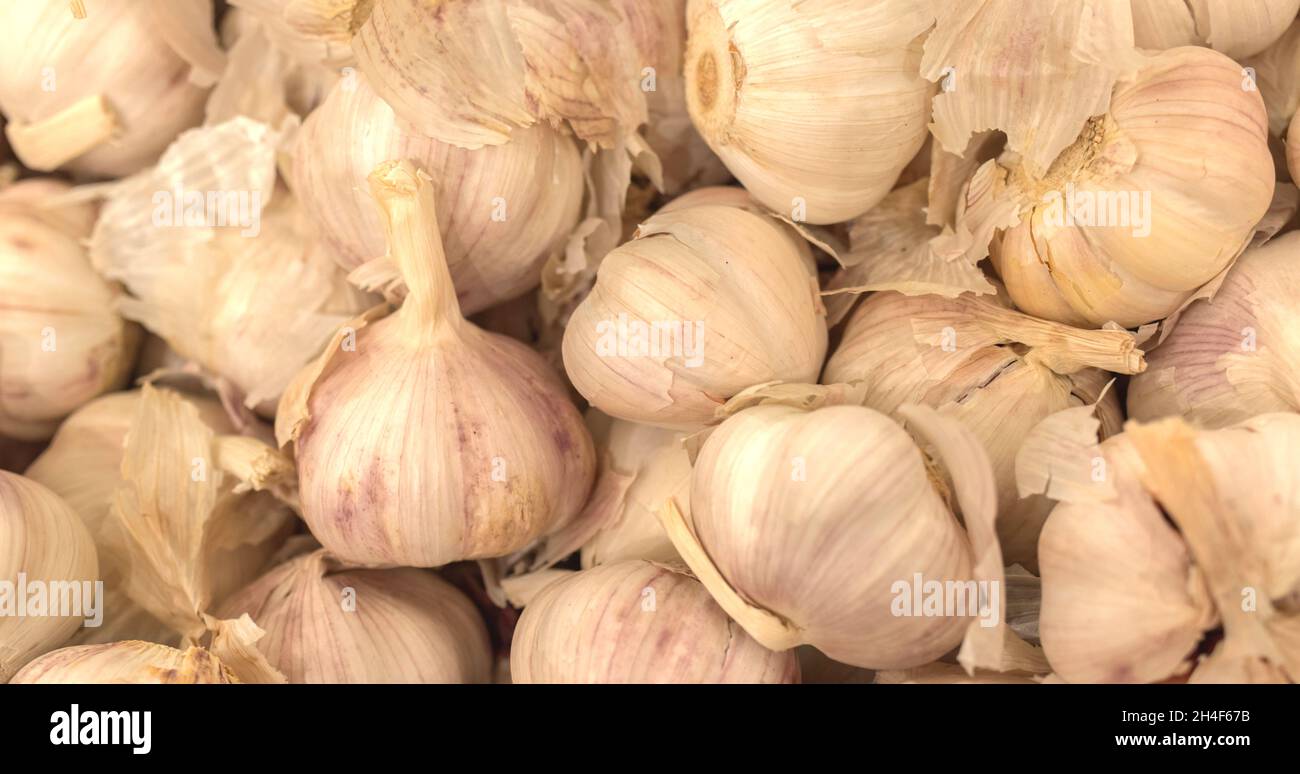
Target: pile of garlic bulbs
x=653 y=341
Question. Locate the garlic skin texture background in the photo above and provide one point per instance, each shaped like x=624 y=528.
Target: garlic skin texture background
x=1236 y=355
x=422 y=439
x=44 y=541
x=815 y=106
x=326 y=623
x=1238 y=28
x=1184 y=144
x=637 y=622
x=122 y=53
x=61 y=341
x=724 y=300
x=129 y=661
x=502 y=210
x=997 y=388
x=1190 y=531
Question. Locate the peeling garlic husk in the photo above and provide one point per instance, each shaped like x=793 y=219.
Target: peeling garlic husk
x=313 y=32
x=501 y=456
x=502 y=211
x=102 y=96
x=320 y=620
x=637 y=622
x=774 y=483
x=1184 y=531
x=829 y=150
x=1238 y=28
x=997 y=372
x=61 y=340
x=44 y=542
x=728 y=293
x=1234 y=356
x=129 y=661
x=248 y=264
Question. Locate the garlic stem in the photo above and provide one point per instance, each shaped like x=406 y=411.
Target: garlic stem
x=52 y=142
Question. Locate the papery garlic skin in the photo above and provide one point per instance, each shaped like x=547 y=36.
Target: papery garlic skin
x=117 y=51
x=326 y=623
x=637 y=622
x=502 y=210
x=422 y=439
x=896 y=346
x=821 y=136
x=1236 y=355
x=706 y=301
x=131 y=662
x=815 y=516
x=62 y=341
x=656 y=467
x=1185 y=145
x=1238 y=28
x=1293 y=149
x=42 y=541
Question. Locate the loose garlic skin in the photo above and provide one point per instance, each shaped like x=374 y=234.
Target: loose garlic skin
x=325 y=623
x=999 y=391
x=814 y=516
x=637 y=622
x=422 y=439
x=62 y=341
x=115 y=51
x=815 y=106
x=1236 y=355
x=131 y=662
x=43 y=541
x=732 y=304
x=1185 y=142
x=1238 y=28
x=502 y=210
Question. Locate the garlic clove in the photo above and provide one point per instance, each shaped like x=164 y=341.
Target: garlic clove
x=48 y=561
x=823 y=154
x=502 y=457
x=1276 y=72
x=637 y=622
x=1238 y=28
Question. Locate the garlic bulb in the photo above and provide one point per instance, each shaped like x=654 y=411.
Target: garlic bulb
x=637 y=622
x=214 y=256
x=103 y=95
x=501 y=457
x=1166 y=534
x=48 y=562
x=822 y=134
x=1293 y=149
x=130 y=661
x=1234 y=356
x=315 y=32
x=1276 y=72
x=785 y=503
x=704 y=302
x=659 y=29
x=996 y=371
x=1152 y=201
x=61 y=341
x=1238 y=28
x=321 y=620
x=502 y=210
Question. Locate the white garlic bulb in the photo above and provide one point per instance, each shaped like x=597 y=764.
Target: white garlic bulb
x=820 y=136
x=501 y=456
x=61 y=340
x=993 y=369
x=47 y=560
x=1234 y=356
x=704 y=302
x=129 y=661
x=1186 y=531
x=214 y=255
x=321 y=619
x=1238 y=28
x=637 y=622
x=103 y=95
x=502 y=210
